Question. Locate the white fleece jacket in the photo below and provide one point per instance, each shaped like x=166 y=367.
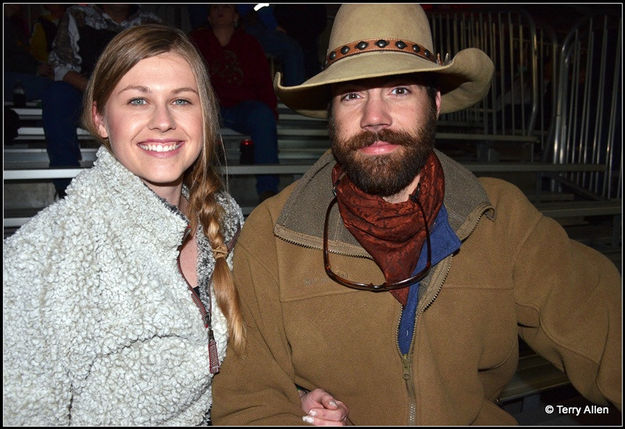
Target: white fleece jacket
x=99 y=325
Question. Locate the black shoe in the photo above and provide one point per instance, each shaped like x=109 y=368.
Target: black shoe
x=58 y=195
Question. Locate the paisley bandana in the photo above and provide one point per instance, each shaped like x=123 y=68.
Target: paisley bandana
x=393 y=233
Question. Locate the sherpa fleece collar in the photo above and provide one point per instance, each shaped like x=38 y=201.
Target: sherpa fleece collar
x=302 y=218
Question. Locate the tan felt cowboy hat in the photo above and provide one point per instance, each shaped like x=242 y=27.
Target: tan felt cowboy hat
x=371 y=40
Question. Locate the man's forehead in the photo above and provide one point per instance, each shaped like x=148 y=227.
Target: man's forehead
x=380 y=82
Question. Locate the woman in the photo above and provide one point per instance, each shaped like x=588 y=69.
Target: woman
x=118 y=300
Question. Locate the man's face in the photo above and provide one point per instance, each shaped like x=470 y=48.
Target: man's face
x=382 y=131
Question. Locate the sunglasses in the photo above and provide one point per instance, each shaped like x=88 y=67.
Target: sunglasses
x=370 y=286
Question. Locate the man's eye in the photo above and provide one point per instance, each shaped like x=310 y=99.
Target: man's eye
x=350 y=96
x=401 y=91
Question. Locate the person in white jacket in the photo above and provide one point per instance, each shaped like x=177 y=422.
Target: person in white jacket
x=118 y=300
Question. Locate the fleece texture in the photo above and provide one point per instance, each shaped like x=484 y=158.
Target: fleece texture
x=516 y=274
x=100 y=327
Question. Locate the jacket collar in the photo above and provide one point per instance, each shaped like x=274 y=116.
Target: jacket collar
x=302 y=217
x=118 y=190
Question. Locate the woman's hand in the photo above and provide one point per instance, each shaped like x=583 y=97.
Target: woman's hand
x=322 y=409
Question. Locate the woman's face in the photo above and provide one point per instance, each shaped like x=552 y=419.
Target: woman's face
x=153 y=120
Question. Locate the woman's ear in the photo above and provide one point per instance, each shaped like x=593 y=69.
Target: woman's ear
x=98 y=120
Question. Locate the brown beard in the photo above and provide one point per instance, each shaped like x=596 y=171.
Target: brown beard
x=384 y=175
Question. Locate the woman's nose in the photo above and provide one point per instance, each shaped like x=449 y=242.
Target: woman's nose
x=162 y=119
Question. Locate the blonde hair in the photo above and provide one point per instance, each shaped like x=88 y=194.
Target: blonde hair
x=124 y=51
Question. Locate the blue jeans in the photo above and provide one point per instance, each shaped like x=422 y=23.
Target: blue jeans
x=61 y=106
x=34 y=85
x=286 y=49
x=257 y=120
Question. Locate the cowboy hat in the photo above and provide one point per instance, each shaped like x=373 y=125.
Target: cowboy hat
x=372 y=40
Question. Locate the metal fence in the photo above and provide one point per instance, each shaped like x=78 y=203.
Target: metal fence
x=522 y=90
x=588 y=125
x=566 y=93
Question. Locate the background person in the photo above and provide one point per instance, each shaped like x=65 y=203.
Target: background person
x=304 y=22
x=275 y=40
x=44 y=31
x=240 y=74
x=21 y=67
x=82 y=34
x=25 y=76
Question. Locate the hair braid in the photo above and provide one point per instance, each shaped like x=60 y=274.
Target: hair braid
x=209 y=214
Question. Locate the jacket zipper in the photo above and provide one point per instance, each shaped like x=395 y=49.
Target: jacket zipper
x=438 y=290
x=334 y=252
x=412 y=397
x=407 y=358
x=213 y=357
x=440 y=284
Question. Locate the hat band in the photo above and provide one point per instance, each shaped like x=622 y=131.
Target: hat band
x=371 y=45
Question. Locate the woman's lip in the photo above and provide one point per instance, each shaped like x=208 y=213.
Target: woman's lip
x=160 y=147
x=379 y=148
x=160 y=141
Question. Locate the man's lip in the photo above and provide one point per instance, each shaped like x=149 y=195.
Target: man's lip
x=379 y=148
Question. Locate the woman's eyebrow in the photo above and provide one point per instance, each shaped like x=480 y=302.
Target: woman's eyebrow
x=142 y=88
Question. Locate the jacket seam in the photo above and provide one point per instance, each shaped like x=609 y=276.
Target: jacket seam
x=542 y=326
x=251 y=256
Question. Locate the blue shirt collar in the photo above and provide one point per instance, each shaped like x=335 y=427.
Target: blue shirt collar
x=444 y=242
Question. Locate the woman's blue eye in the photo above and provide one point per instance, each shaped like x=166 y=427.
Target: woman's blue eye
x=137 y=101
x=182 y=101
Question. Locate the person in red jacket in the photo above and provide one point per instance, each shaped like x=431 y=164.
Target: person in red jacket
x=240 y=75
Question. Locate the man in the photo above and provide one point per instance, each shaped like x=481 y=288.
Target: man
x=392 y=276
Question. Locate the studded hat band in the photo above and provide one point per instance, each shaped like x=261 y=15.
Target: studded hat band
x=372 y=45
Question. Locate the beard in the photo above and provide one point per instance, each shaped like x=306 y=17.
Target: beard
x=384 y=175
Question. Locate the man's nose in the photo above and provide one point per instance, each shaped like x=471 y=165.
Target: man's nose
x=375 y=114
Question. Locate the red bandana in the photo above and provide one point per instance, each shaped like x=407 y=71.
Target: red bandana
x=392 y=233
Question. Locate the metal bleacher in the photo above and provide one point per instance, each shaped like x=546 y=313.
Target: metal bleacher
x=531 y=105
x=534 y=128
x=301 y=141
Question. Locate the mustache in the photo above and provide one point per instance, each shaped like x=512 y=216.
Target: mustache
x=367 y=138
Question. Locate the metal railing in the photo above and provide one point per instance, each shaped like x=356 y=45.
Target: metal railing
x=588 y=107
x=524 y=58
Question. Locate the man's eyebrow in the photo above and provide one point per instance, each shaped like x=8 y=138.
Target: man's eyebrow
x=343 y=87
x=347 y=87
